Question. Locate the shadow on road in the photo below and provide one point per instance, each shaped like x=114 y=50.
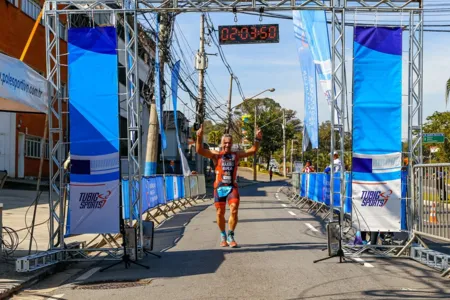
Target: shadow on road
x=193 y=262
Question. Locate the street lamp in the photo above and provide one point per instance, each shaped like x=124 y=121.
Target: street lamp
x=292 y=150
x=267 y=90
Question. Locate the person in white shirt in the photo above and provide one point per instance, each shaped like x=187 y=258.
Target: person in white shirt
x=336 y=163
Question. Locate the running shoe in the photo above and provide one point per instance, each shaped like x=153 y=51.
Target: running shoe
x=223 y=242
x=231 y=241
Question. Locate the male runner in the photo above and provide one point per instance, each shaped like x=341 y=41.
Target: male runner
x=226 y=163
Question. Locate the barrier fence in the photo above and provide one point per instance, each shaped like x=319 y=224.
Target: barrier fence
x=313 y=189
x=163 y=194
x=431 y=206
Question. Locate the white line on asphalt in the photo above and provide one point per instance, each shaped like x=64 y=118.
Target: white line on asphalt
x=367 y=265
x=311 y=227
x=291 y=213
x=284 y=205
x=56 y=296
x=87 y=274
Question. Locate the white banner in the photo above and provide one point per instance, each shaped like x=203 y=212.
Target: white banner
x=376 y=191
x=175 y=188
x=377 y=205
x=21 y=88
x=94 y=208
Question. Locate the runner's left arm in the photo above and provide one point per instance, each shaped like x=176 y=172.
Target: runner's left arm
x=254 y=148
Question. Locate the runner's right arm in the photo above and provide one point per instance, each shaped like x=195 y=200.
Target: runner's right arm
x=211 y=154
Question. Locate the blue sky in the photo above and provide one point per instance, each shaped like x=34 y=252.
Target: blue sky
x=263 y=66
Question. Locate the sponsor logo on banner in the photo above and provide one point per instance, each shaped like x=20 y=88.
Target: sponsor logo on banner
x=152 y=193
x=93 y=200
x=91 y=203
x=375 y=198
x=175 y=188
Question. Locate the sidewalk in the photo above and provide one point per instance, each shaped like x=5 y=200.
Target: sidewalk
x=17 y=215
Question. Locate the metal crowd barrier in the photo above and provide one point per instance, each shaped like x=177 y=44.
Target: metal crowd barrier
x=430 y=195
x=163 y=194
x=312 y=190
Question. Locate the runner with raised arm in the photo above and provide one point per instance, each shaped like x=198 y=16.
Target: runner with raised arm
x=226 y=189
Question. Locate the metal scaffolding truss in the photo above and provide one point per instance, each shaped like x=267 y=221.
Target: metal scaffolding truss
x=130 y=10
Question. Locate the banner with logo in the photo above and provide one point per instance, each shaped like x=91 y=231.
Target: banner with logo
x=311 y=117
x=94 y=131
x=22 y=89
x=172 y=190
x=376 y=165
x=152 y=192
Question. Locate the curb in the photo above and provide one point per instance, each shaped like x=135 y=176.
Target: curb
x=39 y=276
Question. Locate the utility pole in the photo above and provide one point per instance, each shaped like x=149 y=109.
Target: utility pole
x=229 y=105
x=151 y=157
x=284 y=143
x=292 y=151
x=255 y=177
x=201 y=65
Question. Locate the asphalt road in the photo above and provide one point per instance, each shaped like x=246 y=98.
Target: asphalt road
x=274 y=261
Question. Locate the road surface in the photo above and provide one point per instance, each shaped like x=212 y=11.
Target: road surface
x=278 y=244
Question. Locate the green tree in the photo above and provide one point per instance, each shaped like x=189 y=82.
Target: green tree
x=214 y=137
x=439 y=122
x=270 y=120
x=321 y=157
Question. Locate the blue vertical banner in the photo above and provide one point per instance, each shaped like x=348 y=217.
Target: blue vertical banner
x=377 y=102
x=174 y=86
x=311 y=118
x=94 y=131
x=317 y=34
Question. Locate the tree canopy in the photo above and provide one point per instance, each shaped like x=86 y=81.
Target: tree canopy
x=269 y=117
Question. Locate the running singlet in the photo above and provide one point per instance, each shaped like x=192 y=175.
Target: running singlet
x=226 y=172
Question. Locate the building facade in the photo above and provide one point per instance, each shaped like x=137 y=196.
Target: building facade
x=20 y=133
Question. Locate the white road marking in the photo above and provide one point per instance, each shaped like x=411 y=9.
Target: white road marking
x=87 y=274
x=284 y=205
x=367 y=265
x=291 y=213
x=311 y=227
x=56 y=296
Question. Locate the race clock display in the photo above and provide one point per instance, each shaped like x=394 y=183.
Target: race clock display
x=249 y=34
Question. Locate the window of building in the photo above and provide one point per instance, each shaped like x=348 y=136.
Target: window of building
x=33 y=147
x=14 y=2
x=32 y=9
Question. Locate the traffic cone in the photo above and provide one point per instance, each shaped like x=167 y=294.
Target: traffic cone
x=433 y=217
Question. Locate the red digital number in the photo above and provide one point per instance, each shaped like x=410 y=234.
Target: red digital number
x=253 y=33
x=244 y=33
x=272 y=32
x=224 y=34
x=234 y=31
x=263 y=32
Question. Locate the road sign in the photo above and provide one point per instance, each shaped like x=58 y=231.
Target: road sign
x=433 y=138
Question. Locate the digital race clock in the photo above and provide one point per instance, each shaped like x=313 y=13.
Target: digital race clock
x=249 y=34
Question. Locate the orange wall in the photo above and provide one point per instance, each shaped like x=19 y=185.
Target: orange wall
x=15 y=28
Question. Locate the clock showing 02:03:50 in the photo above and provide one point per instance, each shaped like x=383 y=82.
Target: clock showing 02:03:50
x=249 y=34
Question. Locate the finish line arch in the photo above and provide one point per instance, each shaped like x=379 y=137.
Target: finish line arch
x=129 y=10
